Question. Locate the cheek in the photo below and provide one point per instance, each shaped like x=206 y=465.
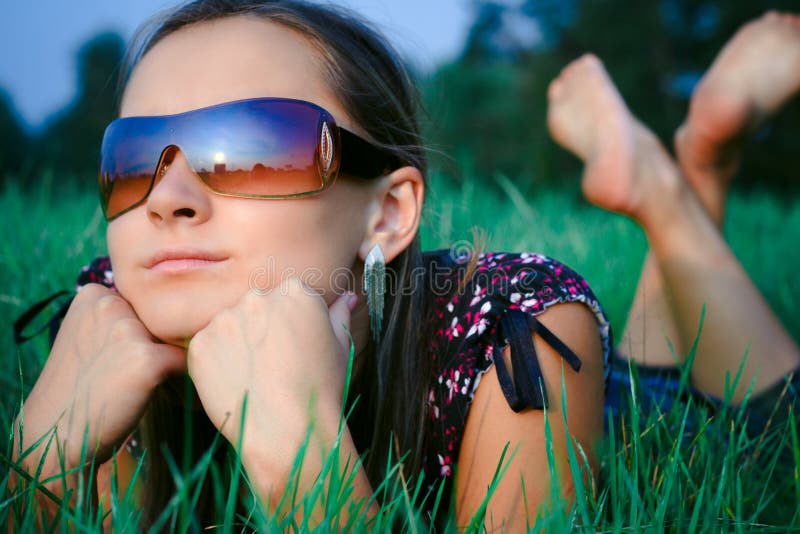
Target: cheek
x=119 y=240
x=336 y=231
x=308 y=227
x=114 y=237
x=313 y=239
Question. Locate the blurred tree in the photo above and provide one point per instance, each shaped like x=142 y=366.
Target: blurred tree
x=488 y=23
x=70 y=141
x=482 y=105
x=13 y=140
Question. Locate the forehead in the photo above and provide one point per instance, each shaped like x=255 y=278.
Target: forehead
x=227 y=59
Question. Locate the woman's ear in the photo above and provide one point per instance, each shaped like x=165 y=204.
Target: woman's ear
x=395 y=222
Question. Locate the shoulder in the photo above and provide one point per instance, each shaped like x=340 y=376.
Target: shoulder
x=469 y=299
x=493 y=429
x=474 y=310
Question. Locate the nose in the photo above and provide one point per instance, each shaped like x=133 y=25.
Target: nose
x=178 y=195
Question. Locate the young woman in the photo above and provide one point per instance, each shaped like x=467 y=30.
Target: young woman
x=200 y=286
x=238 y=262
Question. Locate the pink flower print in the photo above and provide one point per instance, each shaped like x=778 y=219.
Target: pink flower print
x=465 y=387
x=454 y=330
x=445 y=468
x=527 y=304
x=479 y=292
x=452 y=385
x=488 y=261
x=515 y=297
x=480 y=325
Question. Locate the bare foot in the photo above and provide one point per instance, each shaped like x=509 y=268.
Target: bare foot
x=626 y=168
x=755 y=74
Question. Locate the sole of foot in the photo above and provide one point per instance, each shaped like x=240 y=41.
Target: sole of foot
x=623 y=159
x=753 y=76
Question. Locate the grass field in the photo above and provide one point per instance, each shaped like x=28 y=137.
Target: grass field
x=653 y=475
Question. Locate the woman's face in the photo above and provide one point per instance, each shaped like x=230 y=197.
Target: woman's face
x=255 y=242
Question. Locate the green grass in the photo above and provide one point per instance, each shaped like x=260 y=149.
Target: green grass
x=654 y=475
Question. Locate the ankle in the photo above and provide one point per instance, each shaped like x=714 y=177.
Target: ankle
x=667 y=199
x=664 y=191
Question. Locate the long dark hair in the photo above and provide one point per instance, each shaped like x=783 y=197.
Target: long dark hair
x=365 y=74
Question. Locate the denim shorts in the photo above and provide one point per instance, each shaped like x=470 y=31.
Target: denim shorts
x=660 y=388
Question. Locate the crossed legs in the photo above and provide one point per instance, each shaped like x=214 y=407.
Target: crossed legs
x=681 y=207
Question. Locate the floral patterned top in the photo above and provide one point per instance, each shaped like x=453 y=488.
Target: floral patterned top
x=472 y=325
x=495 y=308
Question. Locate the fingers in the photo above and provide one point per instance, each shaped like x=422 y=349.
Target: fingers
x=115 y=315
x=339 y=312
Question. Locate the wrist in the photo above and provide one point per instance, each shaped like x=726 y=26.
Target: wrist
x=270 y=467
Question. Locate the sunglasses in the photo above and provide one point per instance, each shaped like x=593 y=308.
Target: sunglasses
x=256 y=148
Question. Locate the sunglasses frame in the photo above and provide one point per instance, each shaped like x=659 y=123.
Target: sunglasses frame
x=349 y=154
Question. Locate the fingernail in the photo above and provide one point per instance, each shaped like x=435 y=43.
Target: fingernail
x=352 y=299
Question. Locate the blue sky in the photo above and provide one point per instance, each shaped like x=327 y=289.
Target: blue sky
x=39 y=39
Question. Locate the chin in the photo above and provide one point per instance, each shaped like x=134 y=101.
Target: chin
x=173 y=332
x=174 y=321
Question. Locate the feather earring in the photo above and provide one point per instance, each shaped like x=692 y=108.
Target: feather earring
x=375 y=288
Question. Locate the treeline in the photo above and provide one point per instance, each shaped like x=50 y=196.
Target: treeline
x=487 y=108
x=69 y=142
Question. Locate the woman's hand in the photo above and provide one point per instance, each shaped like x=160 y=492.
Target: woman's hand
x=101 y=372
x=288 y=352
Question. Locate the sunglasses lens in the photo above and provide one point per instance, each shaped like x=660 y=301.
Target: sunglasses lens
x=130 y=152
x=258 y=148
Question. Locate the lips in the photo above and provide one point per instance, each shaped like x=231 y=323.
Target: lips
x=182 y=259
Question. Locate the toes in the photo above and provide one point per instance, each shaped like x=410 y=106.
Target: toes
x=571 y=67
x=772 y=16
x=575 y=69
x=555 y=90
x=679 y=140
x=793 y=19
x=586 y=65
x=785 y=18
x=590 y=59
x=587 y=60
x=590 y=65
